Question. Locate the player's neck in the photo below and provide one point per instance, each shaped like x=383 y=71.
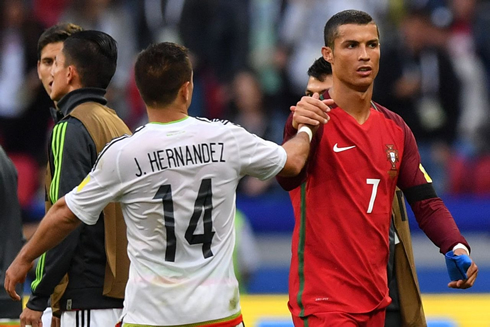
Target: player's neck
x=355 y=103
x=166 y=114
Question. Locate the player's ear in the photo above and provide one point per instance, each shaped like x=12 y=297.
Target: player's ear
x=327 y=54
x=39 y=69
x=72 y=75
x=185 y=90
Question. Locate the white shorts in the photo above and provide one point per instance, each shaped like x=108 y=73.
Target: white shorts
x=46 y=317
x=91 y=318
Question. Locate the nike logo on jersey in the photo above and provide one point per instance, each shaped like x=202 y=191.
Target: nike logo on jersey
x=337 y=149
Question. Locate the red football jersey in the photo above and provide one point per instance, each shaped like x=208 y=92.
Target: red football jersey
x=342 y=210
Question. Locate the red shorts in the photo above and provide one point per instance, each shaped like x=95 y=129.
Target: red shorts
x=342 y=319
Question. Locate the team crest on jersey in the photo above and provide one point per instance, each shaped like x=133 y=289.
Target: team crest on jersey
x=392 y=157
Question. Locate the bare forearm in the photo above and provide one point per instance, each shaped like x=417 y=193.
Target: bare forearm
x=56 y=225
x=297 y=149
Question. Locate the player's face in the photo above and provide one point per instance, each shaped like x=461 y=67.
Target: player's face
x=61 y=75
x=355 y=57
x=316 y=86
x=48 y=54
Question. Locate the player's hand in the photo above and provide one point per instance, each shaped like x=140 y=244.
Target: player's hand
x=471 y=273
x=30 y=317
x=16 y=274
x=311 y=111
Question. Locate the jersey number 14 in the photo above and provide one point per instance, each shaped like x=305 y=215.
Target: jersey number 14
x=203 y=203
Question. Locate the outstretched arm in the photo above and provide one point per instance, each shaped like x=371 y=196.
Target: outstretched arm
x=430 y=211
x=55 y=226
x=309 y=111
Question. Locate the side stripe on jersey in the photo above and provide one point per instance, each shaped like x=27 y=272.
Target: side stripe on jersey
x=301 y=252
x=108 y=145
x=57 y=143
x=39 y=272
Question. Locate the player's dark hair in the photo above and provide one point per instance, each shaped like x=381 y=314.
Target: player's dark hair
x=331 y=30
x=94 y=54
x=320 y=69
x=54 y=34
x=160 y=71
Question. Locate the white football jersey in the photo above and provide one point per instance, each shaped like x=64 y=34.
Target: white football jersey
x=176 y=183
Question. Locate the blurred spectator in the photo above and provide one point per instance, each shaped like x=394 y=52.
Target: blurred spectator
x=265 y=15
x=417 y=80
x=23 y=122
x=48 y=11
x=209 y=29
x=470 y=69
x=11 y=240
x=20 y=90
x=482 y=37
x=112 y=17
x=249 y=109
x=230 y=38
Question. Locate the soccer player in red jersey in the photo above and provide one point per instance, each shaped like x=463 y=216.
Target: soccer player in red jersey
x=406 y=306
x=340 y=243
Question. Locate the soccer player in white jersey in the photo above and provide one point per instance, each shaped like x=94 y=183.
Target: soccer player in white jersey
x=175 y=179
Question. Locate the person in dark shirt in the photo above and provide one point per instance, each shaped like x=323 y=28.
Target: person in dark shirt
x=91 y=263
x=12 y=239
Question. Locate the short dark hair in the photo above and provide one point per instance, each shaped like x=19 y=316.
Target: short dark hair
x=331 y=30
x=320 y=69
x=94 y=54
x=160 y=70
x=54 y=34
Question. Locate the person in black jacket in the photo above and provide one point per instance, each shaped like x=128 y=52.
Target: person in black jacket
x=48 y=46
x=91 y=263
x=11 y=226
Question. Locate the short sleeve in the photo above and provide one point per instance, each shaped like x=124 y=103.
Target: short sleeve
x=259 y=158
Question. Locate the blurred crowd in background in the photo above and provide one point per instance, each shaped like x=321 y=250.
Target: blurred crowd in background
x=250 y=62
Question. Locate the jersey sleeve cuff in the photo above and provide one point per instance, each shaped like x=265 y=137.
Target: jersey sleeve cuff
x=37 y=302
x=461 y=246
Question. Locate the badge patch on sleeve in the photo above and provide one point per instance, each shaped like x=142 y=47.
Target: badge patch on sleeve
x=427 y=177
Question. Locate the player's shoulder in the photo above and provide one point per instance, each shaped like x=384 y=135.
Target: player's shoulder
x=219 y=125
x=113 y=147
x=215 y=122
x=71 y=130
x=389 y=114
x=118 y=143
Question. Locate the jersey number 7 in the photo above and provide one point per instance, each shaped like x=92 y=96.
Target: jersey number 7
x=203 y=203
